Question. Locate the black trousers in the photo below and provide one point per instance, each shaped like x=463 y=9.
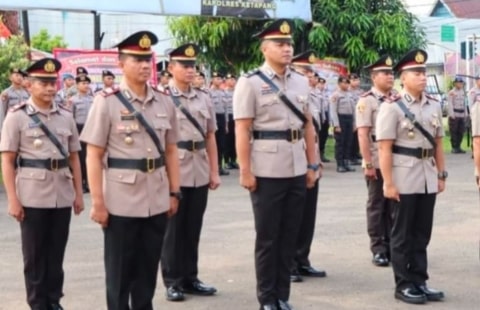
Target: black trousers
x=355 y=147
x=412 y=228
x=343 y=140
x=220 y=138
x=182 y=238
x=278 y=205
x=230 y=153
x=307 y=228
x=457 y=129
x=82 y=154
x=133 y=248
x=379 y=216
x=44 y=238
x=323 y=136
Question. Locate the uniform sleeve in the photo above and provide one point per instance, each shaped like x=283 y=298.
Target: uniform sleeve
x=173 y=133
x=97 y=127
x=471 y=97
x=244 y=99
x=386 y=124
x=333 y=110
x=212 y=122
x=10 y=138
x=475 y=115
x=74 y=141
x=363 y=113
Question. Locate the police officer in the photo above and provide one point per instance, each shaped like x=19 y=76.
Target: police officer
x=61 y=95
x=230 y=156
x=474 y=91
x=413 y=168
x=356 y=91
x=342 y=109
x=199 y=80
x=324 y=117
x=301 y=264
x=217 y=94
x=81 y=103
x=108 y=79
x=275 y=167
x=457 y=113
x=13 y=95
x=199 y=173
x=133 y=129
x=163 y=76
x=42 y=191
x=379 y=211
x=80 y=71
x=25 y=80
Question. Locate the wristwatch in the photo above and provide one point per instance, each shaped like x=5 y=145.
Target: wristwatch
x=368 y=166
x=313 y=167
x=177 y=195
x=442 y=175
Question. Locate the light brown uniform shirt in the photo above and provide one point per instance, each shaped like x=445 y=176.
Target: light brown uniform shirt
x=366 y=116
x=194 y=166
x=410 y=174
x=41 y=188
x=472 y=95
x=129 y=192
x=341 y=102
x=254 y=99
x=456 y=103
x=475 y=117
x=228 y=99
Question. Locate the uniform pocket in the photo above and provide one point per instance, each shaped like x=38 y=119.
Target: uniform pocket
x=162 y=123
x=33 y=174
x=404 y=161
x=265 y=146
x=125 y=177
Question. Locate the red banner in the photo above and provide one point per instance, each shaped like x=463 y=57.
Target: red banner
x=95 y=62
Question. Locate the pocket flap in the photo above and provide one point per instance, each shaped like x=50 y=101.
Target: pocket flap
x=265 y=146
x=33 y=174
x=64 y=131
x=122 y=176
x=403 y=161
x=162 y=123
x=34 y=132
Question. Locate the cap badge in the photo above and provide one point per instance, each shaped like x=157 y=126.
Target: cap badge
x=190 y=51
x=285 y=28
x=419 y=58
x=145 y=42
x=49 y=66
x=388 y=61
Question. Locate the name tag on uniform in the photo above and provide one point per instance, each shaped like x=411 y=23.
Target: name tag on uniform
x=33 y=125
x=130 y=117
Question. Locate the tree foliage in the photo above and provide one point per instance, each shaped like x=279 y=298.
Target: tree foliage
x=13 y=54
x=45 y=42
x=357 y=30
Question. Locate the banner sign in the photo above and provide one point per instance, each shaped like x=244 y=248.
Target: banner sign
x=247 y=9
x=95 y=62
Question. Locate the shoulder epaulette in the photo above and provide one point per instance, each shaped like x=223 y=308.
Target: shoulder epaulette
x=251 y=72
x=393 y=98
x=162 y=90
x=367 y=93
x=202 y=89
x=296 y=71
x=431 y=97
x=17 y=107
x=109 y=91
x=64 y=108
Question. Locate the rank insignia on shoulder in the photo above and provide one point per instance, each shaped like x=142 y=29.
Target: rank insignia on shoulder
x=367 y=93
x=393 y=98
x=109 y=91
x=17 y=107
x=62 y=107
x=252 y=72
x=431 y=97
x=162 y=89
x=202 y=89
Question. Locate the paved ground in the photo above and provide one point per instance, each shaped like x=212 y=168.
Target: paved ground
x=340 y=246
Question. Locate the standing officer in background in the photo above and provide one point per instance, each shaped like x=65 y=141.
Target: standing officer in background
x=324 y=117
x=356 y=91
x=217 y=94
x=474 y=91
x=457 y=114
x=199 y=80
x=13 y=95
x=342 y=110
x=301 y=264
x=42 y=191
x=379 y=211
x=199 y=174
x=61 y=96
x=279 y=139
x=163 y=76
x=133 y=173
x=81 y=103
x=108 y=79
x=230 y=153
x=409 y=133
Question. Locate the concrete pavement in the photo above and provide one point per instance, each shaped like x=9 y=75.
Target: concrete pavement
x=226 y=254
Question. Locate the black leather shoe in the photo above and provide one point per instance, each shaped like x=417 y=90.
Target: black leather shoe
x=174 y=294
x=55 y=306
x=283 y=305
x=295 y=277
x=198 y=288
x=309 y=271
x=380 y=259
x=233 y=166
x=432 y=294
x=461 y=151
x=224 y=172
x=411 y=295
x=341 y=169
x=269 y=307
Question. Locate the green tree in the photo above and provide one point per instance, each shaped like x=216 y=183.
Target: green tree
x=356 y=30
x=13 y=54
x=45 y=42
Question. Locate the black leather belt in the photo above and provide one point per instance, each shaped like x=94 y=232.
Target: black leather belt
x=144 y=164
x=49 y=164
x=191 y=145
x=414 y=152
x=291 y=135
x=458 y=111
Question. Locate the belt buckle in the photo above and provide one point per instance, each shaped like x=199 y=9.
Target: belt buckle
x=194 y=148
x=294 y=135
x=53 y=164
x=150 y=164
x=425 y=153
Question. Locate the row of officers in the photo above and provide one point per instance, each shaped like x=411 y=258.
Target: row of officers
x=152 y=158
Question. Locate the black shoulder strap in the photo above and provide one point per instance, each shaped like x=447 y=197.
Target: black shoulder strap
x=48 y=133
x=150 y=131
x=189 y=116
x=417 y=125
